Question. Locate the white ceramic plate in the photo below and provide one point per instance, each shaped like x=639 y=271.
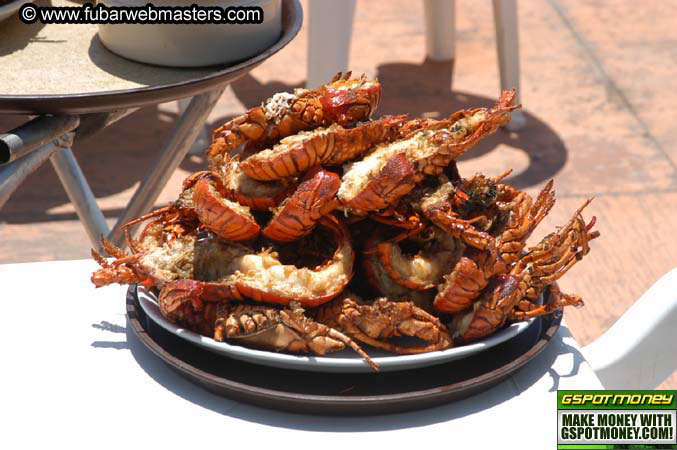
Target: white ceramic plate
x=343 y=361
x=9 y=9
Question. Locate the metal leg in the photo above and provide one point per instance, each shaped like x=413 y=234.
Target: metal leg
x=507 y=45
x=80 y=194
x=33 y=135
x=176 y=148
x=14 y=173
x=202 y=141
x=72 y=179
x=440 y=29
x=75 y=184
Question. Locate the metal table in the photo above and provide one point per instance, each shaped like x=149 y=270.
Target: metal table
x=76 y=87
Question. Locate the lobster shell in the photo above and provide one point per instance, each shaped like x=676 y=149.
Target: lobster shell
x=331 y=146
x=227 y=219
x=298 y=215
x=394 y=181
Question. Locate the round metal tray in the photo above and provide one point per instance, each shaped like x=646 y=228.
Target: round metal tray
x=105 y=101
x=342 y=394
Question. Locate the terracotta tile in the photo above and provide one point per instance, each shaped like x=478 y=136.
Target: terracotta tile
x=44 y=241
x=575 y=130
x=637 y=51
x=636 y=247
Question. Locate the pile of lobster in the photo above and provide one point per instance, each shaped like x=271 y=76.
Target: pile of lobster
x=316 y=228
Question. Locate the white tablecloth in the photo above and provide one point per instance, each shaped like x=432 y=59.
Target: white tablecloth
x=74 y=376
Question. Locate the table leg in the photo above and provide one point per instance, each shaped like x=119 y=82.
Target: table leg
x=182 y=138
x=27 y=147
x=34 y=134
x=80 y=194
x=203 y=139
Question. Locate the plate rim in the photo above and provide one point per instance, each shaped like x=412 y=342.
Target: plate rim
x=337 y=405
x=326 y=364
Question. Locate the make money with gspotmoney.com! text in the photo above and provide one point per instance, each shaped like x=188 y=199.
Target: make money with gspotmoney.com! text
x=102 y=14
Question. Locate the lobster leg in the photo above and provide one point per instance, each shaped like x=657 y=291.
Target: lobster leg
x=122 y=270
x=98 y=257
x=374 y=323
x=112 y=249
x=157 y=212
x=318 y=335
x=463 y=229
x=511 y=242
x=559 y=301
x=412 y=230
x=388 y=346
x=288 y=329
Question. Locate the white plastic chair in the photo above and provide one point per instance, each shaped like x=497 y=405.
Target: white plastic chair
x=640 y=350
x=327 y=56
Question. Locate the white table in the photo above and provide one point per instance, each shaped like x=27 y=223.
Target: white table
x=74 y=375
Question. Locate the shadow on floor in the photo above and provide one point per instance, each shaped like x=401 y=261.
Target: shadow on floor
x=426 y=90
x=21 y=34
x=118 y=157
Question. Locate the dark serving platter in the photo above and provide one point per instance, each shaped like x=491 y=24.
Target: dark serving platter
x=341 y=393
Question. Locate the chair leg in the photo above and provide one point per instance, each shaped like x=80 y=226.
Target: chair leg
x=440 y=29
x=330 y=24
x=507 y=45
